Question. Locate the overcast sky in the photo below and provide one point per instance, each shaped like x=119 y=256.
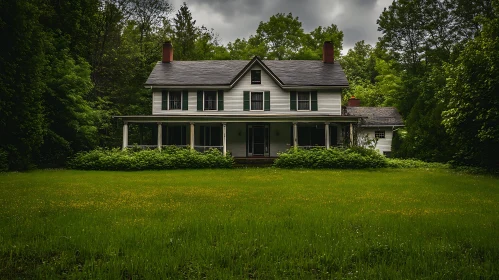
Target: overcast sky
x=233 y=19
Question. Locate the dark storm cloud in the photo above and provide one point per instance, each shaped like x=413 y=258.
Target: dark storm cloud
x=233 y=19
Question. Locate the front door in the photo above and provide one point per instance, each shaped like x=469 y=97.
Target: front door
x=258 y=140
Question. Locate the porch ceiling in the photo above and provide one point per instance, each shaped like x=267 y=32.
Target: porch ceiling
x=238 y=118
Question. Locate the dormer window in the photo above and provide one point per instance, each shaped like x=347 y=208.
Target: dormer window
x=256 y=76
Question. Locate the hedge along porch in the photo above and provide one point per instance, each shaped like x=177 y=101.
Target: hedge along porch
x=247 y=136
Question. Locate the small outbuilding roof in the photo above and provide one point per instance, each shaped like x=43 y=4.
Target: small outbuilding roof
x=227 y=72
x=376 y=116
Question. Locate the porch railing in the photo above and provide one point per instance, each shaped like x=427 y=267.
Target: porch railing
x=203 y=149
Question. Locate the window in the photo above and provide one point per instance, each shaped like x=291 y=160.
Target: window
x=210 y=100
x=176 y=135
x=210 y=136
x=174 y=100
x=303 y=101
x=379 y=134
x=256 y=76
x=311 y=136
x=257 y=101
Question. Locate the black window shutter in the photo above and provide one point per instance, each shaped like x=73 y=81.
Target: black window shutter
x=292 y=101
x=164 y=100
x=185 y=100
x=220 y=100
x=200 y=100
x=266 y=104
x=314 y=100
x=246 y=100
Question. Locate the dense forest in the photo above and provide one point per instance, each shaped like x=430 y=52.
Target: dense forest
x=68 y=66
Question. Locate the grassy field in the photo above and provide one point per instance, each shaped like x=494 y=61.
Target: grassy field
x=249 y=223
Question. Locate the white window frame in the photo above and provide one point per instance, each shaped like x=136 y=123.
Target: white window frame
x=168 y=101
x=216 y=100
x=298 y=101
x=377 y=132
x=263 y=101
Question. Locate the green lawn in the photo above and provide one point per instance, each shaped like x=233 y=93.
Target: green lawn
x=249 y=223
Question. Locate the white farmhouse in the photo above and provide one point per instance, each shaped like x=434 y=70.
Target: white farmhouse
x=254 y=108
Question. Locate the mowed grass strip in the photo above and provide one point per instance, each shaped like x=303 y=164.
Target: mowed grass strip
x=249 y=223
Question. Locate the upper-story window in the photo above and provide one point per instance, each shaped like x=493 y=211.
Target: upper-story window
x=174 y=100
x=210 y=100
x=257 y=101
x=256 y=76
x=303 y=101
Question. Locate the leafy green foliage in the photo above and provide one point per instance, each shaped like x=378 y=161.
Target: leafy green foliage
x=135 y=159
x=336 y=158
x=413 y=163
x=472 y=115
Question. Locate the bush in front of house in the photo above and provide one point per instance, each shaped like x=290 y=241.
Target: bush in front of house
x=335 y=158
x=413 y=163
x=132 y=159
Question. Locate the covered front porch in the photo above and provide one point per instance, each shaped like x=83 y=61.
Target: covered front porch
x=254 y=137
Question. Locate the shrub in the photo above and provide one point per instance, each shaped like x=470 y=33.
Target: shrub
x=413 y=163
x=351 y=158
x=132 y=159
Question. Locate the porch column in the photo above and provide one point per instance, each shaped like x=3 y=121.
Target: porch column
x=351 y=134
x=224 y=137
x=125 y=135
x=326 y=131
x=192 y=136
x=160 y=136
x=295 y=135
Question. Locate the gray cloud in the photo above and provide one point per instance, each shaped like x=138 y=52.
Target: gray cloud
x=233 y=19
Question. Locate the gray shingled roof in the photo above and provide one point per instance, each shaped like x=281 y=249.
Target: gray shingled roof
x=223 y=72
x=376 y=116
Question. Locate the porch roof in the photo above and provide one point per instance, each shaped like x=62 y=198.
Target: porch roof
x=237 y=118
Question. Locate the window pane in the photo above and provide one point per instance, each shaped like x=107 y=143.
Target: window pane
x=379 y=134
x=175 y=100
x=210 y=100
x=257 y=101
x=303 y=101
x=255 y=76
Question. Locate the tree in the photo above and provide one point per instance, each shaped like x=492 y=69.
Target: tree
x=472 y=114
x=22 y=59
x=282 y=36
x=314 y=41
x=185 y=34
x=359 y=63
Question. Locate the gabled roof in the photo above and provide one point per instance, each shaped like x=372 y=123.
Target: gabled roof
x=227 y=73
x=376 y=116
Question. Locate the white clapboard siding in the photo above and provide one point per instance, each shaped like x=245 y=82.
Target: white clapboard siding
x=328 y=101
x=383 y=144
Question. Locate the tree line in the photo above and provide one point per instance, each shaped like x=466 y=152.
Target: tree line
x=67 y=67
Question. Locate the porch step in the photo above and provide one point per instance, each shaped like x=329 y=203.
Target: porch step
x=254 y=162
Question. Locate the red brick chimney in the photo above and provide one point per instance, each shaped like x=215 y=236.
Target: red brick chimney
x=353 y=102
x=167 y=52
x=328 y=52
